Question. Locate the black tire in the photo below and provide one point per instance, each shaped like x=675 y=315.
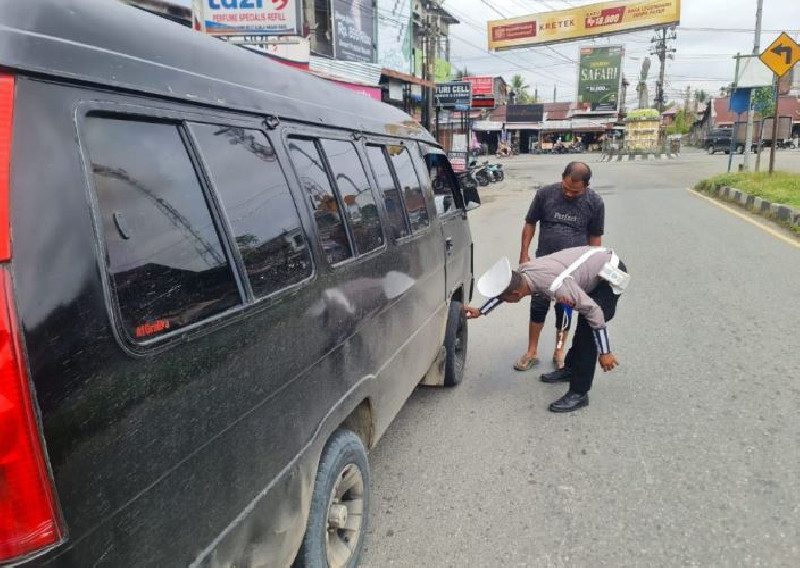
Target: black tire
x=456 y=338
x=711 y=149
x=483 y=179
x=740 y=149
x=343 y=451
x=500 y=176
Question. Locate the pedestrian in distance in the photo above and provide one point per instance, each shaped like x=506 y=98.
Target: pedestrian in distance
x=569 y=214
x=591 y=284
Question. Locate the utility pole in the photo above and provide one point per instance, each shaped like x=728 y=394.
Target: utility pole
x=661 y=49
x=429 y=68
x=554 y=93
x=748 y=136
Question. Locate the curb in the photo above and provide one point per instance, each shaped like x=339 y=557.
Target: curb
x=777 y=211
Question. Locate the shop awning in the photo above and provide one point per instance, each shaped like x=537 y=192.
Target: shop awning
x=406 y=78
x=487 y=125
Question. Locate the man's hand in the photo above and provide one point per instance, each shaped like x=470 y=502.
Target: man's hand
x=471 y=312
x=608 y=361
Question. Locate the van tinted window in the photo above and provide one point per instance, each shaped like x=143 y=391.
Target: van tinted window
x=355 y=193
x=317 y=188
x=165 y=256
x=413 y=197
x=398 y=225
x=255 y=195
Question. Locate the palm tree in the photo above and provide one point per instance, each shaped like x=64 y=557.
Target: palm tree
x=461 y=73
x=519 y=89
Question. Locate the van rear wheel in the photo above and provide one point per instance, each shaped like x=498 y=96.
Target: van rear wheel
x=455 y=344
x=710 y=149
x=337 y=521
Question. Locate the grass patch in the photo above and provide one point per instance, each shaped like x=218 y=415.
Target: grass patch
x=781 y=187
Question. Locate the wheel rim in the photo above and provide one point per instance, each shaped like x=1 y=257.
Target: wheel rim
x=345 y=516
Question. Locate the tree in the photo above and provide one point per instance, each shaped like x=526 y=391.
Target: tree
x=700 y=96
x=520 y=89
x=461 y=73
x=683 y=123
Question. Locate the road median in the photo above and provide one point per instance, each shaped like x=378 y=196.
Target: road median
x=776 y=197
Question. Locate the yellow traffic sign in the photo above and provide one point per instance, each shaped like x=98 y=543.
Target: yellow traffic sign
x=781 y=55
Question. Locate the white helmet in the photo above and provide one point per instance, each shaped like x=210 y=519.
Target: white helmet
x=496 y=279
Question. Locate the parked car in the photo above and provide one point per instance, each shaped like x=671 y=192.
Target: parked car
x=221 y=279
x=718 y=140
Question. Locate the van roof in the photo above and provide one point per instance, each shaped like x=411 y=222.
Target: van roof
x=110 y=43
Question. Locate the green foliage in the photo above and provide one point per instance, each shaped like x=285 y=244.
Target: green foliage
x=780 y=187
x=683 y=123
x=520 y=90
x=644 y=114
x=700 y=96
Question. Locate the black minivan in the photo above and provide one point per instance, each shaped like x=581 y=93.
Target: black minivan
x=221 y=279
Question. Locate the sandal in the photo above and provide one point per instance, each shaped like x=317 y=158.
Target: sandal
x=525 y=363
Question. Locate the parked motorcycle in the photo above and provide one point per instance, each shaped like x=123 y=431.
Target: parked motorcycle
x=481 y=172
x=497 y=171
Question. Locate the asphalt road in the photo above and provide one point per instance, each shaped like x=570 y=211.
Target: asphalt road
x=689 y=453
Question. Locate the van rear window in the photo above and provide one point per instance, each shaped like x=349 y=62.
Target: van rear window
x=167 y=264
x=255 y=195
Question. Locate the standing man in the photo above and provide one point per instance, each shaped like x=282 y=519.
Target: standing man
x=589 y=279
x=570 y=214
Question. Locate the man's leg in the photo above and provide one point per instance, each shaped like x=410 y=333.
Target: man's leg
x=582 y=356
x=584 y=361
x=539 y=308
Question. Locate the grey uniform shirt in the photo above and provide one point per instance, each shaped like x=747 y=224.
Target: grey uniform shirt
x=565 y=223
x=540 y=273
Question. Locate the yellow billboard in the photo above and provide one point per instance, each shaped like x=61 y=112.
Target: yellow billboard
x=591 y=20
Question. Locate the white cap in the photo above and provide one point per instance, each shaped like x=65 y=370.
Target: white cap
x=496 y=279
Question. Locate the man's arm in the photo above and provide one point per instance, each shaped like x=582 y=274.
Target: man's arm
x=595 y=240
x=528 y=231
x=597 y=226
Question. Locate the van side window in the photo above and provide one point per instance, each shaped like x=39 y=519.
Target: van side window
x=355 y=193
x=166 y=260
x=398 y=225
x=413 y=197
x=442 y=180
x=255 y=195
x=317 y=189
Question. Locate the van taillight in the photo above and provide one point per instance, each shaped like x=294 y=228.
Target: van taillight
x=29 y=519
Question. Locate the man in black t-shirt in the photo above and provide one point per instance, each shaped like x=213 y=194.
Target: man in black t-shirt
x=570 y=215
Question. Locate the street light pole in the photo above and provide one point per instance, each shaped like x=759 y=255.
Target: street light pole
x=748 y=136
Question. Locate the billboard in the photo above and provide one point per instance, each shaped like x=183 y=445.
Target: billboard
x=456 y=95
x=525 y=113
x=394 y=35
x=599 y=78
x=354 y=30
x=592 y=20
x=247 y=17
x=481 y=85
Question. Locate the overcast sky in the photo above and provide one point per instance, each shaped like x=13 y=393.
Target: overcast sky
x=711 y=32
x=703 y=58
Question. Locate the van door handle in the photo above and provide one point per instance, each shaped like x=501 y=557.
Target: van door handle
x=448 y=245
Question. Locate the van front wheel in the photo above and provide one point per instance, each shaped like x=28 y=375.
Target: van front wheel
x=455 y=344
x=337 y=521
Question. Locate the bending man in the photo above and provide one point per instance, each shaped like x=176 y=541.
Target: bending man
x=591 y=285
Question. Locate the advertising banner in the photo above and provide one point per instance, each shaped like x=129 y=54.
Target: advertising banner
x=592 y=20
x=247 y=17
x=354 y=30
x=525 y=113
x=394 y=35
x=599 y=77
x=481 y=85
x=456 y=95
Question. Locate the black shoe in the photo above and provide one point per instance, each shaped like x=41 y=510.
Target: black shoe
x=569 y=402
x=557 y=376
